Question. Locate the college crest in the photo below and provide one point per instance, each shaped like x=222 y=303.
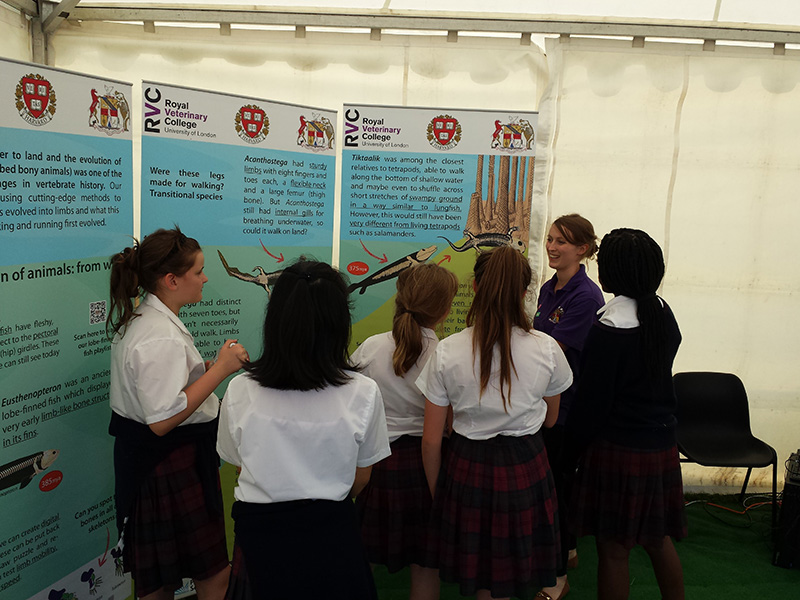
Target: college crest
x=556 y=316
x=513 y=136
x=110 y=112
x=315 y=134
x=444 y=132
x=252 y=123
x=35 y=99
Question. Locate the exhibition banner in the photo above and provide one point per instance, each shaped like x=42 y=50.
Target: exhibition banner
x=252 y=181
x=423 y=184
x=66 y=206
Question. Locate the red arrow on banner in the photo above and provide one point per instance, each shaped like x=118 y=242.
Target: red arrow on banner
x=445 y=259
x=380 y=260
x=102 y=561
x=270 y=253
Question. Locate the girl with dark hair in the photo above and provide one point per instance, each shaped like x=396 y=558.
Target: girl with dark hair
x=164 y=418
x=494 y=502
x=567 y=307
x=628 y=488
x=394 y=508
x=305 y=428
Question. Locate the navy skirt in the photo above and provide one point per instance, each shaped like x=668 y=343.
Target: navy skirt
x=239 y=587
x=627 y=495
x=495 y=516
x=299 y=549
x=394 y=508
x=173 y=534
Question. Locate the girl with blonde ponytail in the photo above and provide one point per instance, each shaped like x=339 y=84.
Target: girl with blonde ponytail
x=394 y=507
x=494 y=503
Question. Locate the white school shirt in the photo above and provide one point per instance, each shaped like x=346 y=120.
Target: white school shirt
x=297 y=445
x=620 y=312
x=452 y=377
x=403 y=403
x=151 y=365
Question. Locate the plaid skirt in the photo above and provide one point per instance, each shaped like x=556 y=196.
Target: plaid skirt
x=394 y=508
x=298 y=549
x=173 y=534
x=495 y=516
x=628 y=495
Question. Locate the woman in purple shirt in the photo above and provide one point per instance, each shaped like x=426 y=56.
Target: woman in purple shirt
x=568 y=305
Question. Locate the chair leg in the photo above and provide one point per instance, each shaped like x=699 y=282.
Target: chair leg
x=744 y=487
x=774 y=498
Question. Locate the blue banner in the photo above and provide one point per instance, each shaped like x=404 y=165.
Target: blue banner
x=65 y=206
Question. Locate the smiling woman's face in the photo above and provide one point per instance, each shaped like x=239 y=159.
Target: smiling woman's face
x=561 y=253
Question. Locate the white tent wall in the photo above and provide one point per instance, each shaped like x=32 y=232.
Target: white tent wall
x=15 y=37
x=699 y=148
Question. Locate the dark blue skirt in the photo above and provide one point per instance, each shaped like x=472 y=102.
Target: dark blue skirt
x=299 y=549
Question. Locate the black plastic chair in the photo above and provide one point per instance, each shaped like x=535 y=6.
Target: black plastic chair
x=714 y=427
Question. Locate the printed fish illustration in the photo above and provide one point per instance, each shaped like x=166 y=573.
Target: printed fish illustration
x=394 y=269
x=263 y=279
x=23 y=470
x=487 y=240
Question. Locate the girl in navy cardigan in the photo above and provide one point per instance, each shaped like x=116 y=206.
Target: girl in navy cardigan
x=628 y=488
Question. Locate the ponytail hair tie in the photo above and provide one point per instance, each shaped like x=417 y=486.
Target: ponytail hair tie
x=130 y=257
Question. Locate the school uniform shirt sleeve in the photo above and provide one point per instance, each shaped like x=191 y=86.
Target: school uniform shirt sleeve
x=373 y=442
x=161 y=369
x=229 y=433
x=361 y=355
x=356 y=358
x=561 y=378
x=431 y=379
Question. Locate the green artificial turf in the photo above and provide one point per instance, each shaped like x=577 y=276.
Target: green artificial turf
x=727 y=556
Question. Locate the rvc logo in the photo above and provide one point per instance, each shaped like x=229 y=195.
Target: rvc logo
x=151 y=97
x=350 y=128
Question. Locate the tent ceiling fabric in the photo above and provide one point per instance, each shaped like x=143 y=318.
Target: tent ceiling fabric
x=722 y=11
x=735 y=20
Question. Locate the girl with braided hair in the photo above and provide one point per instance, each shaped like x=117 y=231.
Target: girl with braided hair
x=494 y=503
x=164 y=419
x=628 y=488
x=395 y=506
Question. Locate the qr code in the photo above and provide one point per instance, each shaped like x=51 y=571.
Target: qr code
x=97 y=312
